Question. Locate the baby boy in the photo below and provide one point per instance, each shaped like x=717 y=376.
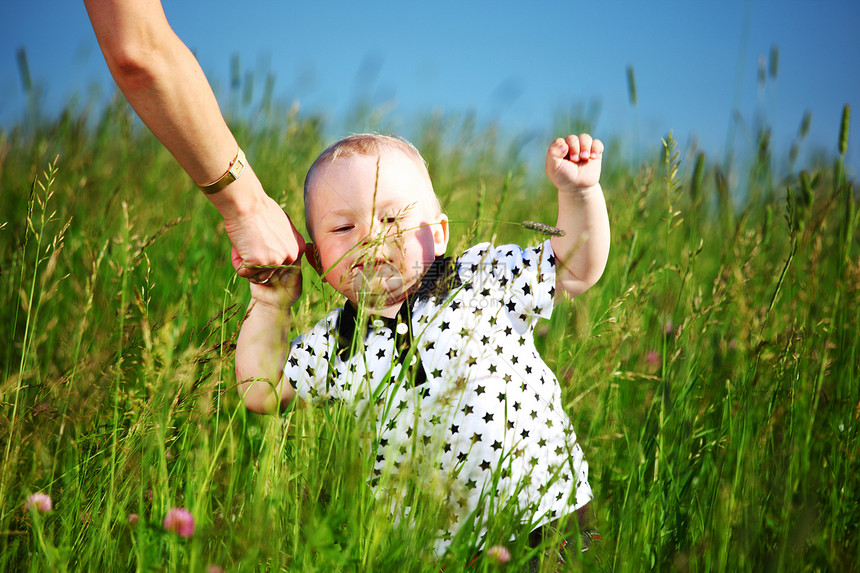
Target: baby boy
x=436 y=354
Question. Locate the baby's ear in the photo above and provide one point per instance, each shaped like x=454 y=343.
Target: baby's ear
x=312 y=254
x=440 y=235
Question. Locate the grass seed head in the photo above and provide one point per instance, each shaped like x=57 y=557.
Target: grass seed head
x=543 y=228
x=843 y=130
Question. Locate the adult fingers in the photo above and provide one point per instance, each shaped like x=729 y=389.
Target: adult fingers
x=254 y=275
x=235 y=258
x=300 y=241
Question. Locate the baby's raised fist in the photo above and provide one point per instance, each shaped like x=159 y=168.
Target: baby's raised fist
x=573 y=163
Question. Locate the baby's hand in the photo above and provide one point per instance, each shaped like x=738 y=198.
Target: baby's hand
x=281 y=290
x=573 y=163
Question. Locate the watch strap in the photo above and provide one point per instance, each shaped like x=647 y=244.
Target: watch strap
x=234 y=170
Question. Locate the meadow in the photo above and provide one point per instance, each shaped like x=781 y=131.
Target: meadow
x=712 y=375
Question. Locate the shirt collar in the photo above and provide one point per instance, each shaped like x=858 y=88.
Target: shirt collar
x=441 y=277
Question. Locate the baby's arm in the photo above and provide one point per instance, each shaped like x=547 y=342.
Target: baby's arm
x=573 y=165
x=264 y=342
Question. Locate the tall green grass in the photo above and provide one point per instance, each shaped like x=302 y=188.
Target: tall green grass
x=712 y=374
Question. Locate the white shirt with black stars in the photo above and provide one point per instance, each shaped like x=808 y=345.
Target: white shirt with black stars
x=478 y=399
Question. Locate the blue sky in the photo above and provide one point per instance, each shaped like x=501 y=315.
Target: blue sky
x=515 y=62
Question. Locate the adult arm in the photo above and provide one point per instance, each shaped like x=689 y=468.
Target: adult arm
x=165 y=85
x=573 y=165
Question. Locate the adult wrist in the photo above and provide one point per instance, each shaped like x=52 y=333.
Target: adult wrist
x=234 y=170
x=242 y=198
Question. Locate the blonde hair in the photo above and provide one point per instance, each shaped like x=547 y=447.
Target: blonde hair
x=364 y=144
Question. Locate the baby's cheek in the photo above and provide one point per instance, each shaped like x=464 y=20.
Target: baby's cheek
x=427 y=245
x=337 y=279
x=418 y=262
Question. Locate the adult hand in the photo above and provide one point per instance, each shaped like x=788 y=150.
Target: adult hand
x=263 y=236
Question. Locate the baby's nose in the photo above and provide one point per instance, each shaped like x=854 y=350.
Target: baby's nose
x=381 y=230
x=381 y=242
x=374 y=236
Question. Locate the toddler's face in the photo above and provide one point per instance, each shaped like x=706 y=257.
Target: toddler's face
x=376 y=237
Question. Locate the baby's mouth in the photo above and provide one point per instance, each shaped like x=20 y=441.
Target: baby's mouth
x=374 y=281
x=373 y=266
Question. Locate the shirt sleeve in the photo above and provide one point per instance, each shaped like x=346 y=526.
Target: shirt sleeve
x=525 y=277
x=308 y=364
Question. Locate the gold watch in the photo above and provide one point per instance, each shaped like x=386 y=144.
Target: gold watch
x=234 y=170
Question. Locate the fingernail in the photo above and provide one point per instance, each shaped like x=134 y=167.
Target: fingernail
x=584 y=155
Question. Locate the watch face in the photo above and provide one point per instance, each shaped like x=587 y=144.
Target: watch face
x=233 y=172
x=237 y=167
